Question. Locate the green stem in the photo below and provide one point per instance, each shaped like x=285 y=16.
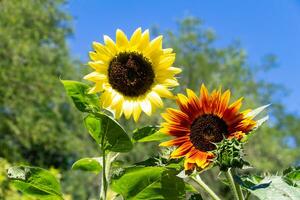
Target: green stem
x=205 y=187
x=236 y=189
x=103 y=193
x=247 y=196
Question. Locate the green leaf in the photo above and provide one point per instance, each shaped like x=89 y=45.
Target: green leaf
x=105 y=130
x=149 y=183
x=36 y=182
x=292 y=176
x=276 y=188
x=252 y=182
x=93 y=125
x=79 y=93
x=176 y=164
x=148 y=134
x=88 y=164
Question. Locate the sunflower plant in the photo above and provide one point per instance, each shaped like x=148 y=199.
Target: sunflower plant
x=131 y=76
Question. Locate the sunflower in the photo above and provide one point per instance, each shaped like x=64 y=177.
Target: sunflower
x=203 y=121
x=132 y=73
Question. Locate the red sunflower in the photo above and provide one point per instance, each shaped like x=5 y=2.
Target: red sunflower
x=203 y=121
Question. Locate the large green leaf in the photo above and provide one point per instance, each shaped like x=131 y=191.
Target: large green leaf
x=148 y=134
x=36 y=182
x=88 y=164
x=269 y=188
x=79 y=93
x=108 y=132
x=149 y=183
x=252 y=182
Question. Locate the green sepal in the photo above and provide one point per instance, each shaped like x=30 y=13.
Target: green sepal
x=229 y=154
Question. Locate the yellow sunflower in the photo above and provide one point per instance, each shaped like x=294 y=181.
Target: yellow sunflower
x=133 y=73
x=203 y=121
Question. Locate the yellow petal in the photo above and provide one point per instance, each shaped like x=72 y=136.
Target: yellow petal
x=106 y=99
x=117 y=99
x=167 y=61
x=101 y=49
x=93 y=56
x=170 y=82
x=99 y=57
x=127 y=108
x=119 y=109
x=99 y=66
x=95 y=77
x=110 y=44
x=136 y=36
x=182 y=99
x=121 y=39
x=162 y=91
x=168 y=50
x=144 y=40
x=154 y=50
x=171 y=71
x=155 y=99
x=191 y=94
x=97 y=88
x=136 y=111
x=156 y=43
x=146 y=106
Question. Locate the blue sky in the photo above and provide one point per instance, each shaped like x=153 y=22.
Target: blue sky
x=263 y=27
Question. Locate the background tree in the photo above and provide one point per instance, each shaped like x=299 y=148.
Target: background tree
x=38 y=125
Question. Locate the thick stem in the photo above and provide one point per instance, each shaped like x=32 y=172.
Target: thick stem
x=238 y=188
x=237 y=192
x=247 y=196
x=205 y=187
x=103 y=193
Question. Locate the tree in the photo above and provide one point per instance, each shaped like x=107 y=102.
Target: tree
x=38 y=125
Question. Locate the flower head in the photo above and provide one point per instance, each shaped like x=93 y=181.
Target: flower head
x=132 y=73
x=203 y=121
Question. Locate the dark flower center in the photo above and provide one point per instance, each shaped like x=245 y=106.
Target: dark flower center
x=131 y=74
x=206 y=130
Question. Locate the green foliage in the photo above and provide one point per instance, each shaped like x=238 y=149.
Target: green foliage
x=35 y=181
x=7 y=191
x=108 y=132
x=37 y=124
x=149 y=183
x=83 y=101
x=252 y=182
x=88 y=164
x=148 y=134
